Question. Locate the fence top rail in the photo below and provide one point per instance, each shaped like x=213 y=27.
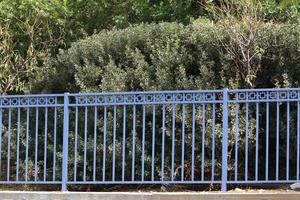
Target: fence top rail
x=264 y=89
x=264 y=95
x=44 y=100
x=147 y=92
x=30 y=95
x=153 y=97
x=112 y=98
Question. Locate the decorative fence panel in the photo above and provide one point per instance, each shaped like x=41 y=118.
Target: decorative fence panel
x=164 y=137
x=264 y=132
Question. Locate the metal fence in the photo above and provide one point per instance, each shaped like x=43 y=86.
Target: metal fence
x=164 y=137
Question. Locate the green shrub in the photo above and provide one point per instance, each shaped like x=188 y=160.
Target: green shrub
x=171 y=56
x=202 y=55
x=30 y=33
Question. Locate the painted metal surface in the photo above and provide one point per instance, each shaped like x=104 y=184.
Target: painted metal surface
x=163 y=137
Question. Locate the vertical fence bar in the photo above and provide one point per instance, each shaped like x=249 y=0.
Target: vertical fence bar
x=256 y=141
x=133 y=144
x=95 y=143
x=45 y=143
x=104 y=144
x=123 y=146
x=277 y=141
x=75 y=143
x=54 y=146
x=143 y=142
x=85 y=143
x=65 y=143
x=236 y=142
x=225 y=140
x=0 y=141
x=18 y=145
x=163 y=144
x=173 y=140
x=213 y=144
x=267 y=142
x=288 y=142
x=153 y=143
x=193 y=142
x=8 y=144
x=27 y=143
x=36 y=142
x=203 y=142
x=298 y=138
x=114 y=144
x=246 y=142
x=182 y=142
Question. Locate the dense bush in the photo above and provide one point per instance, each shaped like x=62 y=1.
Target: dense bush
x=32 y=32
x=172 y=56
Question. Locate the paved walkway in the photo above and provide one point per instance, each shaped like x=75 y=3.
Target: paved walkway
x=257 y=195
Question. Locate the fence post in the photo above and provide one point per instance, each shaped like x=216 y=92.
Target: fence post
x=65 y=143
x=225 y=140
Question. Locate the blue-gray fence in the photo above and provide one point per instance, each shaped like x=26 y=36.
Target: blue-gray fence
x=162 y=137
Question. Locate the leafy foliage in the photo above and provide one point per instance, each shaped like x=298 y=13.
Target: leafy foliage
x=229 y=52
x=172 y=56
x=93 y=46
x=31 y=32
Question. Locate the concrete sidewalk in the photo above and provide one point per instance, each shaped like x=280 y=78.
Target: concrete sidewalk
x=267 y=195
